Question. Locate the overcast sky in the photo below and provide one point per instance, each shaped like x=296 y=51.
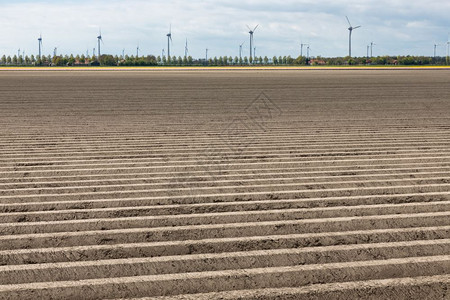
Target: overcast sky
x=395 y=26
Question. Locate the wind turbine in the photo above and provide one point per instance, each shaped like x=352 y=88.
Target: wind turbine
x=240 y=50
x=435 y=46
x=251 y=32
x=169 y=40
x=186 y=50
x=54 y=51
x=371 y=48
x=448 y=48
x=40 y=45
x=99 y=39
x=207 y=55
x=301 y=48
x=350 y=30
x=137 y=51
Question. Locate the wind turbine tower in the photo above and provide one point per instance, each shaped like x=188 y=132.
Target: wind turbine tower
x=435 y=46
x=251 y=32
x=350 y=30
x=448 y=48
x=301 y=48
x=40 y=46
x=99 y=39
x=186 y=50
x=240 y=50
x=169 y=40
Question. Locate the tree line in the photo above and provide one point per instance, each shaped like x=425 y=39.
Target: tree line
x=150 y=60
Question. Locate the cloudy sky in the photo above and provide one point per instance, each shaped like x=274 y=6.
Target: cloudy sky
x=395 y=26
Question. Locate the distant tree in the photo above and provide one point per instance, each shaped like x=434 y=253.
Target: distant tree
x=164 y=60
x=236 y=60
x=107 y=60
x=266 y=60
x=245 y=60
x=59 y=61
x=8 y=60
x=3 y=60
x=14 y=60
x=158 y=59
x=173 y=60
x=351 y=61
x=280 y=60
x=220 y=61
x=275 y=60
x=71 y=60
x=241 y=61
x=407 y=60
x=301 y=60
x=190 y=60
x=289 y=60
x=179 y=61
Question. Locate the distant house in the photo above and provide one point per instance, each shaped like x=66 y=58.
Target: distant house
x=317 y=62
x=81 y=63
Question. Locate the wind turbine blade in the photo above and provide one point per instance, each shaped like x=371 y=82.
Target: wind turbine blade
x=256 y=27
x=357 y=27
x=248 y=27
x=348 y=21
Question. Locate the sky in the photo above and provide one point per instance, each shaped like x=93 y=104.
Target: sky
x=397 y=27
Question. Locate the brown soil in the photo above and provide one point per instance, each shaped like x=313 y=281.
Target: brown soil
x=268 y=184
